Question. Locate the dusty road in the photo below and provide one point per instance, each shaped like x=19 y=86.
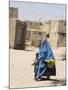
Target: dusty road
x=22 y=75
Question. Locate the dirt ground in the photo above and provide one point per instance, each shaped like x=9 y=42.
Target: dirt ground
x=22 y=74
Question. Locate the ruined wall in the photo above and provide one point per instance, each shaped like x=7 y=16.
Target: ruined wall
x=35 y=32
x=57 y=33
x=62 y=34
x=55 y=29
x=20 y=35
x=13 y=16
x=53 y=33
x=46 y=27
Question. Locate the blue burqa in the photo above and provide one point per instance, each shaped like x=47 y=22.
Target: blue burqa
x=45 y=53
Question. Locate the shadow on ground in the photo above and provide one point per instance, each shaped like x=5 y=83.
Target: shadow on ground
x=55 y=82
x=59 y=82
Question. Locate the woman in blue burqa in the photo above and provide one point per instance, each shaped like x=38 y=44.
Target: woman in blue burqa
x=44 y=57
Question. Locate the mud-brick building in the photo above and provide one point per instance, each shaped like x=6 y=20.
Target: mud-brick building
x=58 y=33
x=17 y=30
x=31 y=33
x=35 y=32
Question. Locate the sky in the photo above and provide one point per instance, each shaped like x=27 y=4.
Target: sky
x=39 y=11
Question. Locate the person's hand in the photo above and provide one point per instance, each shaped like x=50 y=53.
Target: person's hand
x=33 y=63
